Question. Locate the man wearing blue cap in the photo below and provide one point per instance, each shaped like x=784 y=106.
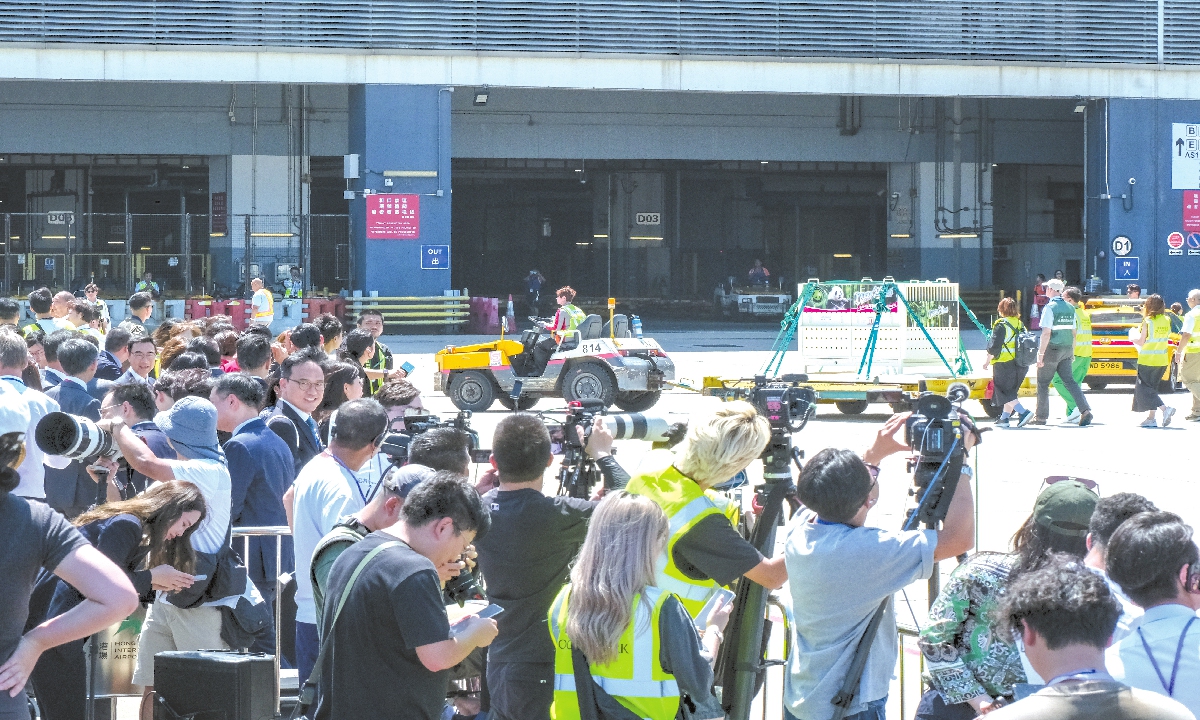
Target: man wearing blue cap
x=191 y=427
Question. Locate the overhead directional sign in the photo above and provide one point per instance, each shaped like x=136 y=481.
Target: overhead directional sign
x=1185 y=156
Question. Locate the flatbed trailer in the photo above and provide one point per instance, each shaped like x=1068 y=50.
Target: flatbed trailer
x=852 y=395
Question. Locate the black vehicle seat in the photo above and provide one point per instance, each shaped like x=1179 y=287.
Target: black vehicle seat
x=590 y=328
x=618 y=327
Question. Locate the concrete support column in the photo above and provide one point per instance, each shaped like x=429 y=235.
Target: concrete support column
x=1143 y=161
x=401 y=134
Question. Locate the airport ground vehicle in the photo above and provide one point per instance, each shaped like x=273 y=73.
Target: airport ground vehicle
x=1114 y=356
x=595 y=362
x=755 y=301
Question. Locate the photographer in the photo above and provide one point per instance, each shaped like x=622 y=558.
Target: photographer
x=391 y=645
x=325 y=491
x=133 y=403
x=34 y=539
x=705 y=550
x=70 y=490
x=842 y=570
x=526 y=558
x=442 y=448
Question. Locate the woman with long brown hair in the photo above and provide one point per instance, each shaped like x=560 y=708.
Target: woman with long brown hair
x=149 y=537
x=640 y=644
x=1154 y=357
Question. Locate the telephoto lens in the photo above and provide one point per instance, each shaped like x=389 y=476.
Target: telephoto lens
x=636 y=426
x=74 y=437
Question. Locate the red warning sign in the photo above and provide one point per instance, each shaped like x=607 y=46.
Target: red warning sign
x=394 y=217
x=1191 y=210
x=1175 y=240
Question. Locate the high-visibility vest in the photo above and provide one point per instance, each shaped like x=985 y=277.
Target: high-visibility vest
x=1083 y=334
x=1193 y=345
x=685 y=505
x=1063 y=322
x=1012 y=327
x=270 y=311
x=143 y=286
x=1153 y=352
x=636 y=679
x=293 y=289
x=574 y=317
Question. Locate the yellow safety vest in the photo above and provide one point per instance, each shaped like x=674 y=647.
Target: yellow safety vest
x=685 y=505
x=1083 y=333
x=574 y=317
x=1153 y=352
x=293 y=289
x=1008 y=350
x=636 y=679
x=270 y=311
x=1193 y=345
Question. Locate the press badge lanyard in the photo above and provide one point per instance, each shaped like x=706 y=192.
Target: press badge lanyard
x=1169 y=687
x=351 y=475
x=1089 y=674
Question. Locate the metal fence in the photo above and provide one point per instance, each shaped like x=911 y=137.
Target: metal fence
x=186 y=254
x=1088 y=31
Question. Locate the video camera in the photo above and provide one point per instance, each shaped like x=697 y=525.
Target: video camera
x=74 y=437
x=935 y=431
x=402 y=430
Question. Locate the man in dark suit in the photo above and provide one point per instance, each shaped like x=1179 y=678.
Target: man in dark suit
x=134 y=404
x=301 y=389
x=70 y=490
x=261 y=469
x=53 y=373
x=115 y=354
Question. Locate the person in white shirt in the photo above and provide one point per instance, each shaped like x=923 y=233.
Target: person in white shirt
x=14 y=356
x=263 y=304
x=325 y=491
x=1110 y=512
x=191 y=427
x=1154 y=559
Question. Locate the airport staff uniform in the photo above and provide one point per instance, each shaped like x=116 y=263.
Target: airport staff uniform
x=1058 y=356
x=1189 y=370
x=263 y=303
x=1154 y=357
x=1082 y=360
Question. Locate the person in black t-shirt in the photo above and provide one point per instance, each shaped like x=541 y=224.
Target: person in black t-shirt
x=392 y=645
x=526 y=559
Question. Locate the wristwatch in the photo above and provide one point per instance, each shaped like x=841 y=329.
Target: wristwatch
x=966 y=470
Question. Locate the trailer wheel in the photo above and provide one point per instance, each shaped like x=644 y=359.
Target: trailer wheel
x=851 y=407
x=638 y=400
x=990 y=408
x=472 y=390
x=525 y=402
x=589 y=381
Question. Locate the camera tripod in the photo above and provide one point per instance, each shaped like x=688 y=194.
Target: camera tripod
x=740 y=666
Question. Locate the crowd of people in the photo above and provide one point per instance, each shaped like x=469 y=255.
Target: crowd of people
x=607 y=608
x=1064 y=356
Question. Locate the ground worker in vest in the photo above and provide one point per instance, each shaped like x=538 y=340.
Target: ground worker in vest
x=1007 y=373
x=1083 y=352
x=637 y=642
x=1056 y=353
x=566 y=319
x=1153 y=361
x=262 y=305
x=1188 y=353
x=293 y=287
x=705 y=550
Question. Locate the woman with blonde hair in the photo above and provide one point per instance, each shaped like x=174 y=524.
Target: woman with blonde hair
x=147 y=536
x=637 y=640
x=705 y=550
x=1154 y=356
x=1007 y=374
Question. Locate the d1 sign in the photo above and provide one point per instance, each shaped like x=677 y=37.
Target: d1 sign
x=393 y=217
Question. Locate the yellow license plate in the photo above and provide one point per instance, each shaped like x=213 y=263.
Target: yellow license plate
x=1099 y=366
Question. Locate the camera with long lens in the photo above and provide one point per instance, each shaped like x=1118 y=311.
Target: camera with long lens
x=784 y=403
x=936 y=431
x=402 y=430
x=464 y=586
x=578 y=473
x=74 y=437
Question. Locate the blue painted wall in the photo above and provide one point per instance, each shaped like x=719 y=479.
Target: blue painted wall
x=401 y=127
x=1139 y=145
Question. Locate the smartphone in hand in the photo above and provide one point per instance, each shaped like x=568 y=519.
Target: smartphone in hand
x=490 y=611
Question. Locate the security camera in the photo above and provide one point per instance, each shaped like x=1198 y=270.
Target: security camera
x=1133 y=181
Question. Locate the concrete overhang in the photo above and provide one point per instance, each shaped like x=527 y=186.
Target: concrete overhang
x=230 y=64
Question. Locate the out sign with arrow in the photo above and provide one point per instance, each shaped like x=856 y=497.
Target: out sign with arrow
x=1185 y=160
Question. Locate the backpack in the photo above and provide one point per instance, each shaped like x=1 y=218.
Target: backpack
x=1027 y=347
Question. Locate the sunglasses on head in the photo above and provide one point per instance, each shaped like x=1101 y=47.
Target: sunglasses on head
x=1089 y=484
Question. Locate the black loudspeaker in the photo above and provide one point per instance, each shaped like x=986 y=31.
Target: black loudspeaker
x=220 y=684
